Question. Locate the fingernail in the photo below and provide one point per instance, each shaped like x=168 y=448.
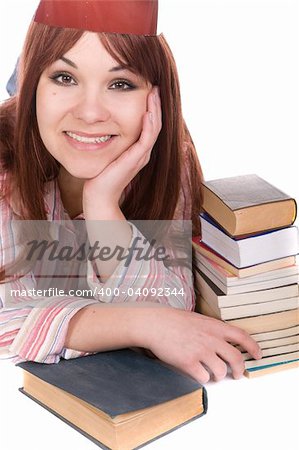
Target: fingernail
x=151 y=117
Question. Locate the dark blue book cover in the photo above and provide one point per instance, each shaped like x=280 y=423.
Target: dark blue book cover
x=116 y=382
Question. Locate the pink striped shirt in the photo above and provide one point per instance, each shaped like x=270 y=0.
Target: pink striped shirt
x=34 y=328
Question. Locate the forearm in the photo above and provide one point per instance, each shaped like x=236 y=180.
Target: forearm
x=142 y=276
x=187 y=340
x=99 y=327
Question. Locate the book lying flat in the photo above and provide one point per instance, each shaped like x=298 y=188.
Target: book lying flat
x=230 y=284
x=203 y=250
x=276 y=334
x=258 y=324
x=275 y=351
x=268 y=322
x=247 y=204
x=119 y=399
x=231 y=280
x=265 y=361
x=272 y=343
x=255 y=309
x=254 y=372
x=213 y=295
x=256 y=249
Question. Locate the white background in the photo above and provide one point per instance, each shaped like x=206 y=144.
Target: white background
x=238 y=62
x=259 y=414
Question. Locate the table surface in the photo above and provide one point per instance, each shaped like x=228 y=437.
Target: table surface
x=260 y=413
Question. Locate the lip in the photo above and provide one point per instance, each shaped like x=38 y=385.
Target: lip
x=83 y=146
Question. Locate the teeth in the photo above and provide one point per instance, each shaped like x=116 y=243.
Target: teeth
x=88 y=140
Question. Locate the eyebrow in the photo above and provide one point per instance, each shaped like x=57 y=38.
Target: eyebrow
x=71 y=63
x=117 y=68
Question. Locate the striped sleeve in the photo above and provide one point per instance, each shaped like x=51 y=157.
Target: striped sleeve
x=31 y=328
x=37 y=331
x=146 y=279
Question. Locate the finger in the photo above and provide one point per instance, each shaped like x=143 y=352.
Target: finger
x=152 y=122
x=241 y=337
x=157 y=107
x=143 y=147
x=139 y=154
x=216 y=365
x=148 y=134
x=198 y=372
x=233 y=357
x=134 y=157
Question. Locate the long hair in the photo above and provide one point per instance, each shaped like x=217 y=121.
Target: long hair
x=154 y=191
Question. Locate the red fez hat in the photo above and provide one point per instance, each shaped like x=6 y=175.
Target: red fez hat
x=110 y=16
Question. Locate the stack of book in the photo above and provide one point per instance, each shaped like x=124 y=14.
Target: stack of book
x=246 y=269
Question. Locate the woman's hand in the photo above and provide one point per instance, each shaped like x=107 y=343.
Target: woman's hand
x=106 y=188
x=196 y=344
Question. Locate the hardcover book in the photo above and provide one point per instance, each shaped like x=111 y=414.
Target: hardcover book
x=252 y=311
x=274 y=343
x=253 y=372
x=279 y=352
x=215 y=297
x=258 y=324
x=269 y=360
x=203 y=251
x=119 y=399
x=276 y=356
x=268 y=322
x=230 y=284
x=247 y=204
x=276 y=334
x=248 y=251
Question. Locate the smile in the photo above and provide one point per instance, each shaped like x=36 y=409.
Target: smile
x=88 y=140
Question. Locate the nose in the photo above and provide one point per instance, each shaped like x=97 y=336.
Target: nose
x=92 y=107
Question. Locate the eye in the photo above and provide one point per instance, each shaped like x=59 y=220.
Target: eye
x=122 y=85
x=63 y=79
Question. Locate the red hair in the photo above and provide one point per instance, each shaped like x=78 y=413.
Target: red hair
x=155 y=190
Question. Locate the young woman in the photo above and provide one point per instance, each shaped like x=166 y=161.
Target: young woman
x=96 y=132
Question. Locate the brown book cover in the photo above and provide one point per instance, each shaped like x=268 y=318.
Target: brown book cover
x=247 y=204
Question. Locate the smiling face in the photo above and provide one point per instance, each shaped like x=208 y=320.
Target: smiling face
x=89 y=108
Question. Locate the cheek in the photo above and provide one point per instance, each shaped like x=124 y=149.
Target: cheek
x=40 y=110
x=50 y=107
x=133 y=116
x=45 y=112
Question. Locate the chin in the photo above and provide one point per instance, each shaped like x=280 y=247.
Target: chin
x=84 y=173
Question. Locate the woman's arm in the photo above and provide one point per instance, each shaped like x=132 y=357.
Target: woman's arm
x=108 y=228
x=32 y=326
x=196 y=344
x=105 y=222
